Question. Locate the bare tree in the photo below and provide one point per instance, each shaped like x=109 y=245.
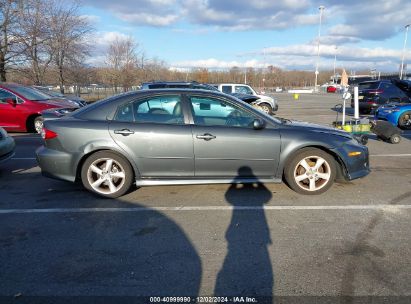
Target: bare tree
x=9 y=16
x=35 y=38
x=122 y=60
x=69 y=33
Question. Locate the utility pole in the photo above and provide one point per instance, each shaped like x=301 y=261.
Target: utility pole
x=403 y=50
x=321 y=8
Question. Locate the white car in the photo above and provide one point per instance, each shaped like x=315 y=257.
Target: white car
x=266 y=103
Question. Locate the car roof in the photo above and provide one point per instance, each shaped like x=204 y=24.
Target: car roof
x=173 y=82
x=373 y=81
x=10 y=85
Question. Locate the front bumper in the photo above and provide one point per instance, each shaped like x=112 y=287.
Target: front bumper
x=7 y=146
x=355 y=166
x=56 y=164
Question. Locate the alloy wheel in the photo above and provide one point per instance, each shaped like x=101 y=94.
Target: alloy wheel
x=38 y=125
x=106 y=176
x=312 y=173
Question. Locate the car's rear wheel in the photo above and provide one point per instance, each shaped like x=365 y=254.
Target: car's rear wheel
x=311 y=171
x=38 y=124
x=107 y=174
x=404 y=122
x=395 y=139
x=265 y=107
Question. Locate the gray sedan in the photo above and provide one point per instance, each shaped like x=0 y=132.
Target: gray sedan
x=186 y=136
x=7 y=145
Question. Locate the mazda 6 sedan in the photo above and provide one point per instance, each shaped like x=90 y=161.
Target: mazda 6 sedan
x=187 y=136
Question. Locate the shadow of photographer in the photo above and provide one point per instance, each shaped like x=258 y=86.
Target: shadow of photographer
x=247 y=269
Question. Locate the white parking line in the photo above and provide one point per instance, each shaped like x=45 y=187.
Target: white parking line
x=390 y=155
x=205 y=208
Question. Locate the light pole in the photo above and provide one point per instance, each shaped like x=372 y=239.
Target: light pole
x=335 y=60
x=321 y=8
x=403 y=50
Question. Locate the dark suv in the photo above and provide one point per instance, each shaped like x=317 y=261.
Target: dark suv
x=177 y=85
x=372 y=94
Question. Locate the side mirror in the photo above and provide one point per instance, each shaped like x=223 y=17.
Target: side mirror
x=258 y=124
x=11 y=101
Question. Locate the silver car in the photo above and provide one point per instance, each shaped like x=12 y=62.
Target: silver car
x=187 y=136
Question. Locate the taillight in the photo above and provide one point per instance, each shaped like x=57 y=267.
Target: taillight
x=48 y=134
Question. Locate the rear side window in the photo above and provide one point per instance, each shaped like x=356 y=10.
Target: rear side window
x=159 y=109
x=226 y=89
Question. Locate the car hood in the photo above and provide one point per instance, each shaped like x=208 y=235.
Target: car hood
x=246 y=97
x=266 y=98
x=316 y=128
x=396 y=105
x=58 y=103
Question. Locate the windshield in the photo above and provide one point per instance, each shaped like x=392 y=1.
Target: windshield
x=368 y=85
x=54 y=94
x=30 y=93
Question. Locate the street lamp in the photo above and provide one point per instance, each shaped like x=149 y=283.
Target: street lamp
x=321 y=8
x=403 y=50
x=335 y=61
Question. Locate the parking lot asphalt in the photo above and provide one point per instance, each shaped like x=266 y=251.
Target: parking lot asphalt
x=352 y=242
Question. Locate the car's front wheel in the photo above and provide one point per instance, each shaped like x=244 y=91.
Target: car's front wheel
x=265 y=107
x=404 y=122
x=107 y=174
x=310 y=171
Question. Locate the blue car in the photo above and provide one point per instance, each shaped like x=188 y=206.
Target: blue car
x=399 y=114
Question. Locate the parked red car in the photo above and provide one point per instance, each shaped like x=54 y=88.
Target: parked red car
x=331 y=89
x=21 y=106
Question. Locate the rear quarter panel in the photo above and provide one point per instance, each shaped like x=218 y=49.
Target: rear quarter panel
x=81 y=138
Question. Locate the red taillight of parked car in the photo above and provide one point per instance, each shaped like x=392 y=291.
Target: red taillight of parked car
x=48 y=134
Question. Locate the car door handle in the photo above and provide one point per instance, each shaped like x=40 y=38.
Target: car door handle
x=124 y=132
x=206 y=136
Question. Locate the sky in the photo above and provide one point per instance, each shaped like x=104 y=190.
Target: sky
x=219 y=34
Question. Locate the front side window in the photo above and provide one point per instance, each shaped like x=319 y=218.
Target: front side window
x=5 y=95
x=243 y=90
x=209 y=111
x=158 y=109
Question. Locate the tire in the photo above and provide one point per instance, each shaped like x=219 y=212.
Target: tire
x=97 y=174
x=38 y=124
x=317 y=180
x=404 y=122
x=395 y=139
x=266 y=108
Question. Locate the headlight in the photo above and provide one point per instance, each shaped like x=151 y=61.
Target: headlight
x=62 y=111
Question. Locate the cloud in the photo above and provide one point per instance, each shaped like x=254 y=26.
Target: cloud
x=348 y=20
x=304 y=57
x=91 y=18
x=103 y=39
x=372 y=20
x=149 y=19
x=156 y=13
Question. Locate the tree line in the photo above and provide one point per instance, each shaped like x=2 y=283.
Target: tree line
x=48 y=42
